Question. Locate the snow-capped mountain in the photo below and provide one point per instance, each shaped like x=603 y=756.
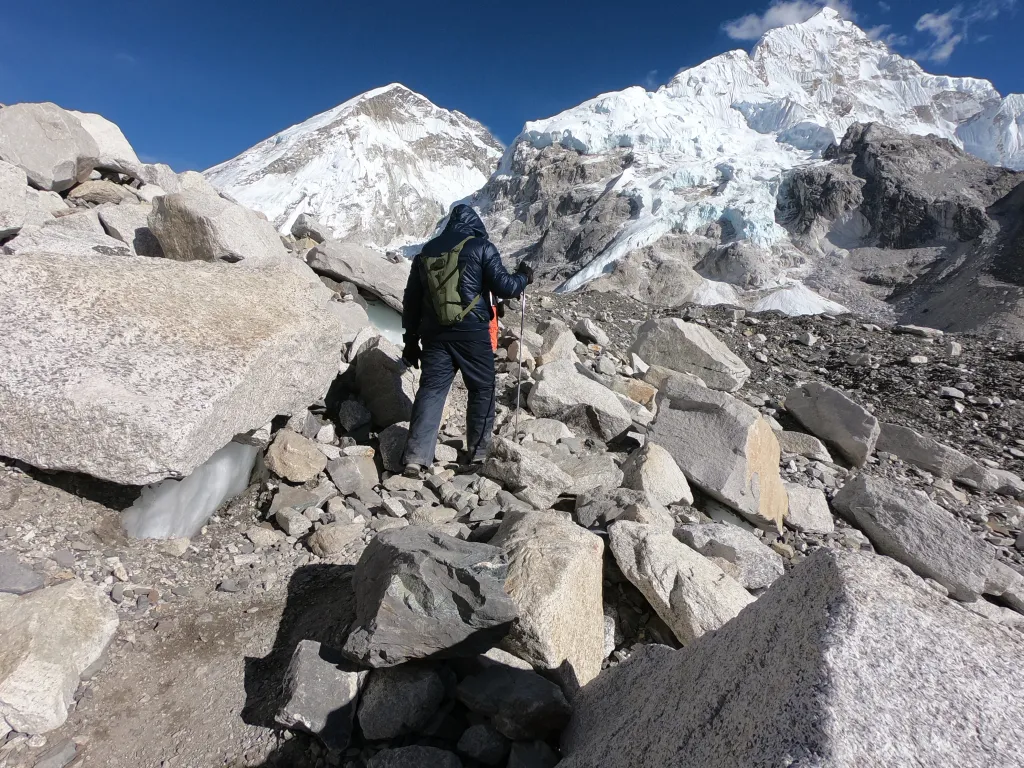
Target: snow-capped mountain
x=695 y=168
x=380 y=169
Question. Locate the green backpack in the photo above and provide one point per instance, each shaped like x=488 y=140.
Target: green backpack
x=443 y=277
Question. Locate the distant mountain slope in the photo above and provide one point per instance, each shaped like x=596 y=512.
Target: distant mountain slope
x=380 y=169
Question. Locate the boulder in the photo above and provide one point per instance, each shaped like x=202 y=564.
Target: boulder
x=856 y=661
x=321 y=689
x=547 y=431
x=554 y=577
x=532 y=754
x=520 y=704
x=353 y=475
x=392 y=446
x=352 y=414
x=689 y=592
x=130 y=224
x=369 y=270
x=161 y=176
x=352 y=316
x=338 y=538
x=591 y=471
x=689 y=348
x=100 y=191
x=14 y=199
x=196 y=225
x=115 y=153
x=588 y=330
x=836 y=419
x=67 y=237
x=533 y=478
x=483 y=743
x=931 y=455
x=558 y=344
x=561 y=387
x=652 y=469
x=48 y=143
x=739 y=553
x=909 y=527
x=461 y=606
x=307 y=226
x=294 y=457
x=603 y=506
x=386 y=384
x=1005 y=584
x=91 y=384
x=48 y=638
x=414 y=757
x=399 y=701
x=808 y=510
x=725 y=448
x=804 y=445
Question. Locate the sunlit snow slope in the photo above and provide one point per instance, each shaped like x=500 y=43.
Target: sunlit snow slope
x=379 y=170
x=732 y=125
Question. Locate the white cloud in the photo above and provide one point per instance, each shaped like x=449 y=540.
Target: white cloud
x=782 y=13
x=883 y=33
x=885 y=7
x=949 y=29
x=651 y=80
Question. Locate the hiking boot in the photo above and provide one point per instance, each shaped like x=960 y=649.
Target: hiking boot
x=414 y=471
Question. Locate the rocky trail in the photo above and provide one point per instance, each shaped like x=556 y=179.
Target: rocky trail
x=209 y=557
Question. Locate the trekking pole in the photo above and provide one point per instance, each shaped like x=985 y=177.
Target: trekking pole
x=522 y=349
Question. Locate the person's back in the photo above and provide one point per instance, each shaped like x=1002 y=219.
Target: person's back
x=450 y=310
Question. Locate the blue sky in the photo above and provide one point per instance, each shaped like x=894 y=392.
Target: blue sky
x=194 y=82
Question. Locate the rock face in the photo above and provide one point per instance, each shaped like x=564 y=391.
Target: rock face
x=533 y=478
x=689 y=348
x=461 y=606
x=653 y=470
x=725 y=448
x=561 y=387
x=47 y=639
x=878 y=670
x=836 y=419
x=738 y=553
x=141 y=396
x=197 y=225
x=554 y=577
x=910 y=528
x=48 y=143
x=369 y=270
x=690 y=593
x=321 y=689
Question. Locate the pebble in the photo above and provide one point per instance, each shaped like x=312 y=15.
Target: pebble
x=952 y=392
x=230 y=586
x=64 y=558
x=917 y=360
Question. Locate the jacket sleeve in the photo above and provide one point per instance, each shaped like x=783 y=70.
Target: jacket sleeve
x=412 y=301
x=497 y=279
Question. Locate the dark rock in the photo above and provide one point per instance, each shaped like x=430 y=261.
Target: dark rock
x=532 y=754
x=414 y=757
x=521 y=704
x=399 y=701
x=421 y=593
x=484 y=744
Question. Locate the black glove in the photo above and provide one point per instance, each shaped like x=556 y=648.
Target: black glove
x=411 y=354
x=499 y=309
x=527 y=270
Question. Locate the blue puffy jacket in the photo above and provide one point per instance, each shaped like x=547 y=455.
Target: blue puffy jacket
x=483 y=275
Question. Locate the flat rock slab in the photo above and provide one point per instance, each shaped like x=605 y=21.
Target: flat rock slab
x=17 y=579
x=48 y=143
x=909 y=527
x=47 y=639
x=321 y=689
x=690 y=593
x=89 y=382
x=533 y=478
x=737 y=552
x=836 y=419
x=555 y=577
x=421 y=593
x=369 y=270
x=857 y=662
x=935 y=457
x=690 y=348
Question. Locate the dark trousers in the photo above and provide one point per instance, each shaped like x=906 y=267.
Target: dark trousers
x=439 y=363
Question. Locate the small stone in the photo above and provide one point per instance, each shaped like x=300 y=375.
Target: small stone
x=263 y=537
x=58 y=756
x=808 y=339
x=230 y=586
x=917 y=360
x=293 y=522
x=520 y=704
x=335 y=538
x=952 y=392
x=953 y=348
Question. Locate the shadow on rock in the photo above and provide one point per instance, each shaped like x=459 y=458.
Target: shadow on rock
x=320 y=606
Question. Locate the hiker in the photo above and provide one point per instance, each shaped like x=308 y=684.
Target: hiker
x=449 y=307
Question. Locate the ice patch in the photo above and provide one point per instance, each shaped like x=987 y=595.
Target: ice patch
x=176 y=509
x=385 y=320
x=711 y=292
x=798 y=299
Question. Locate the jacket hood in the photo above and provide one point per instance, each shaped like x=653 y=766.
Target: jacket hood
x=465 y=219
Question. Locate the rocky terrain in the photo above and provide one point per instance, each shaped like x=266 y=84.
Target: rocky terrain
x=208 y=555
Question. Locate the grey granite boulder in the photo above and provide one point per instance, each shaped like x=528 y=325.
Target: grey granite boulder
x=533 y=478
x=689 y=348
x=652 y=469
x=92 y=384
x=115 y=153
x=387 y=385
x=909 y=527
x=935 y=457
x=849 y=659
x=369 y=270
x=421 y=593
x=561 y=387
x=836 y=419
x=48 y=143
x=737 y=552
